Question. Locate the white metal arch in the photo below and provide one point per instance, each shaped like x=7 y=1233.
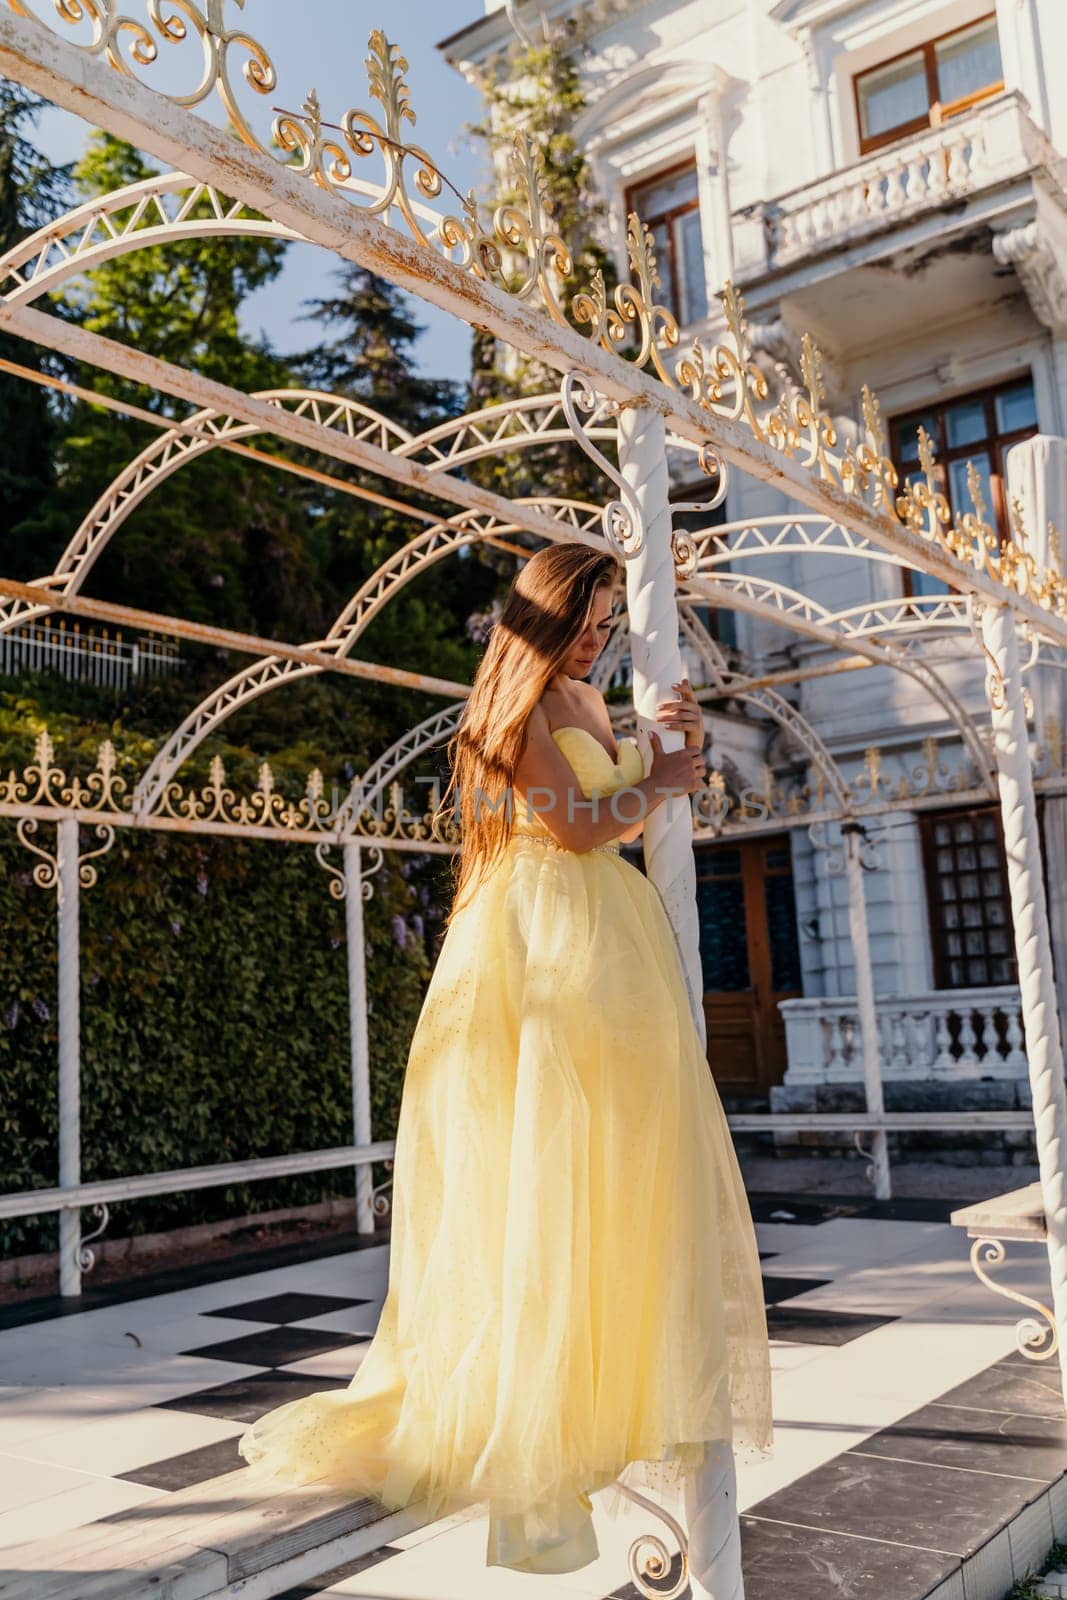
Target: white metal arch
x=776 y=602
x=720 y=549
x=508 y=425
x=515 y=425
x=912 y=614
x=429 y=546
x=763 y=698
x=170 y=206
x=175 y=448
x=388 y=768
x=802 y=533
x=165 y=208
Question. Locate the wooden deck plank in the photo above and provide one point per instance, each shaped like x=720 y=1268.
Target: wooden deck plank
x=190 y=1544
x=190 y=1574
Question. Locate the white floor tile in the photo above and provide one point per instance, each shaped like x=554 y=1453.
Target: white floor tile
x=110 y=1445
x=76 y=1405
x=22 y=1482
x=343 y=1362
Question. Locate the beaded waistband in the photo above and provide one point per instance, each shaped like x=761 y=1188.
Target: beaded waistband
x=536 y=838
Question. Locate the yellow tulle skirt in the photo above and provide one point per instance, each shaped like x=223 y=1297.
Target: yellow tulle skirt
x=574 y=1292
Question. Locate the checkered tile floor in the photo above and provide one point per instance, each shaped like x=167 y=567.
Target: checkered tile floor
x=872 y=1318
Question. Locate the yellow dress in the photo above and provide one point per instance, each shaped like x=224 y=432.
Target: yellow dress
x=574 y=1291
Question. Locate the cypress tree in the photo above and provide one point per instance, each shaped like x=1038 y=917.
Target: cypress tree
x=32 y=192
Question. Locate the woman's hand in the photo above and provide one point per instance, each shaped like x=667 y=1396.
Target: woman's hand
x=685 y=714
x=684 y=769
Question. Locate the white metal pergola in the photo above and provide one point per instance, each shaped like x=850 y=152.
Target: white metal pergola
x=625 y=396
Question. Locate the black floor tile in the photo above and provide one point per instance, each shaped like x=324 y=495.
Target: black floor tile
x=783 y=1563
x=93 y=1297
x=1033 y=1392
x=316 y=1587
x=1026 y=1363
x=811 y=1325
x=777 y=1288
x=274 y=1347
x=812 y=1209
x=784 y=1208
x=987 y=1441
x=920 y=1209
x=246 y=1399
x=294 y=1306
x=935 y=1508
x=192 y=1466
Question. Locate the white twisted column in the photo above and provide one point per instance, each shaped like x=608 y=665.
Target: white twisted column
x=67 y=886
x=711 y=1497
x=714 y=1533
x=861 y=954
x=657 y=663
x=1033 y=947
x=356 y=891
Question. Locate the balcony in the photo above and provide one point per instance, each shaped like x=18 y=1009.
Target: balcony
x=945 y=1035
x=977 y=170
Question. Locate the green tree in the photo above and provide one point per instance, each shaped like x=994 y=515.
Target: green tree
x=32 y=192
x=180 y=301
x=371 y=354
x=541 y=96
x=225 y=542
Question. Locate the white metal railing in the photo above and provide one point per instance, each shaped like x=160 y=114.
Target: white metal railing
x=946 y=1034
x=100 y=658
x=183 y=1180
x=991 y=143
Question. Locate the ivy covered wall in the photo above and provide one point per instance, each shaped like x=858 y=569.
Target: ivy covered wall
x=214 y=1014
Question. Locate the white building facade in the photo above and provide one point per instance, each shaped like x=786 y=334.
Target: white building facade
x=890 y=176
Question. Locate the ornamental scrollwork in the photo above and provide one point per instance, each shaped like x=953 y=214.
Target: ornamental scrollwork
x=42 y=791
x=517 y=245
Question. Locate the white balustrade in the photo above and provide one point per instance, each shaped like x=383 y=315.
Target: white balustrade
x=946 y=1034
x=966 y=154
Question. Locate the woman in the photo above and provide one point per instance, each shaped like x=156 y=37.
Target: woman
x=574 y=1288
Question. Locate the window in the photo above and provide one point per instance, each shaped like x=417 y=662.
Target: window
x=925 y=86
x=967 y=892
x=977 y=427
x=670 y=206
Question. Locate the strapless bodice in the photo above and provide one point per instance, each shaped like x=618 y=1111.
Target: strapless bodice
x=596 y=772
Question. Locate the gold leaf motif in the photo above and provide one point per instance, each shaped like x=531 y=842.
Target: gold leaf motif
x=692 y=373
x=635 y=307
x=526 y=229
x=364 y=133
x=322 y=159
x=479 y=252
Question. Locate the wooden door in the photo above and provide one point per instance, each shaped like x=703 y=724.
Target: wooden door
x=750 y=957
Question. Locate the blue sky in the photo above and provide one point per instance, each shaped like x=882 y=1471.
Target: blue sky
x=321 y=44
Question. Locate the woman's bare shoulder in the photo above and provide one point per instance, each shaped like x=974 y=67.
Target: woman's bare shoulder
x=538 y=719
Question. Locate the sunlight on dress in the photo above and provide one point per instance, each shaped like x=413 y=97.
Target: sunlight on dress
x=574 y=1290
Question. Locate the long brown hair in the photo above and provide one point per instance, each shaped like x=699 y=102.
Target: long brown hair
x=546 y=609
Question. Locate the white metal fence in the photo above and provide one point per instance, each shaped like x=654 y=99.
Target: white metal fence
x=104 y=658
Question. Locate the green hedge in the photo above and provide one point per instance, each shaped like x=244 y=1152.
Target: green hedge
x=214 y=1017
